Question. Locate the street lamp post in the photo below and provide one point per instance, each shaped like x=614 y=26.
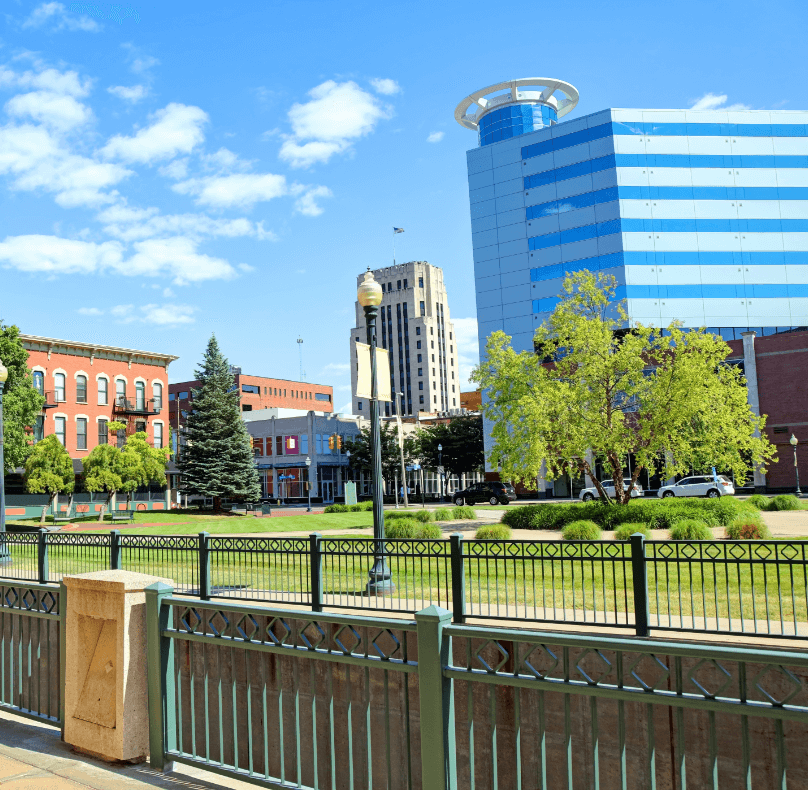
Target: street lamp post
x=793 y=441
x=369 y=295
x=5 y=557
x=401 y=448
x=440 y=471
x=308 y=482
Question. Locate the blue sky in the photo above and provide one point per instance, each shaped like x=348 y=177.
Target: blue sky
x=173 y=169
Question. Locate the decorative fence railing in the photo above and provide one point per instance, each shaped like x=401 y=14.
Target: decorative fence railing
x=30 y=650
x=289 y=698
x=283 y=698
x=748 y=587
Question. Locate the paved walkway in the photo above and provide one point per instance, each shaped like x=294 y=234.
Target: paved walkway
x=32 y=757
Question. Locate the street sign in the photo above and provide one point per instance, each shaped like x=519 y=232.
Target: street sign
x=350 y=493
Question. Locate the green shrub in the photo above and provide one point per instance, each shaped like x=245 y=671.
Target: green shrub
x=748 y=526
x=429 y=532
x=336 y=509
x=401 y=528
x=360 y=507
x=464 y=513
x=625 y=531
x=758 y=501
x=410 y=529
x=581 y=530
x=493 y=532
x=424 y=516
x=784 y=502
x=443 y=514
x=690 y=529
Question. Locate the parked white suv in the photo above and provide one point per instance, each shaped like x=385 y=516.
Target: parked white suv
x=588 y=494
x=699 y=486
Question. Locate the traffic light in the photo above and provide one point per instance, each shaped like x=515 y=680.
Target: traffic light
x=339 y=442
x=331 y=442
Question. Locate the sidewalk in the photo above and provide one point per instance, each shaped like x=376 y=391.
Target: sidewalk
x=33 y=757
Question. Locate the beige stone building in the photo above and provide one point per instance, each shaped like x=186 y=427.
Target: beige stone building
x=415 y=326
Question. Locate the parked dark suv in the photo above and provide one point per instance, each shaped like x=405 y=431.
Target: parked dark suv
x=493 y=492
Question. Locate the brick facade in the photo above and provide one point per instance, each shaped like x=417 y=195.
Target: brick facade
x=782 y=373
x=50 y=359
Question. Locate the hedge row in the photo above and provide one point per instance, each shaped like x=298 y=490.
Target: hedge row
x=657 y=514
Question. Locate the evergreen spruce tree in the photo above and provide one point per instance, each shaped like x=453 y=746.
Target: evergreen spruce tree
x=216 y=460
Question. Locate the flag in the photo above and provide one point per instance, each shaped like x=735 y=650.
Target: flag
x=398 y=230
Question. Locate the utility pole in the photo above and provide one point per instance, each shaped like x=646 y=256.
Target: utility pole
x=300 y=353
x=401 y=448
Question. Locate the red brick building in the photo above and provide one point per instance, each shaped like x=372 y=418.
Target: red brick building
x=258 y=392
x=86 y=385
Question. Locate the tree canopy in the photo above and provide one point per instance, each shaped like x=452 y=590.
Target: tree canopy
x=49 y=470
x=21 y=402
x=595 y=390
x=216 y=459
x=359 y=447
x=461 y=440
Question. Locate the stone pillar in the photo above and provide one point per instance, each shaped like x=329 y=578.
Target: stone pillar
x=106 y=700
x=752 y=396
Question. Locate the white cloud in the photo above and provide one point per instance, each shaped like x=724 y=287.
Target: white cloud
x=160 y=315
x=57 y=14
x=468 y=347
x=239 y=189
x=135 y=224
x=38 y=160
x=176 y=169
x=133 y=94
x=64 y=82
x=337 y=114
x=167 y=293
x=336 y=367
x=435 y=137
x=386 y=86
x=176 y=129
x=713 y=101
x=175 y=257
x=307 y=203
x=143 y=63
x=89 y=311
x=56 y=110
x=55 y=255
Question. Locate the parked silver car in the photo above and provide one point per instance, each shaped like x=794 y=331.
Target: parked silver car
x=699 y=486
x=588 y=494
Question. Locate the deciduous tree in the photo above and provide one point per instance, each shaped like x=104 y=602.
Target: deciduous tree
x=21 y=402
x=597 y=389
x=49 y=470
x=461 y=440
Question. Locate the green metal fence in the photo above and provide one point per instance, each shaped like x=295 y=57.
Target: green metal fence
x=284 y=698
x=723 y=587
x=30 y=650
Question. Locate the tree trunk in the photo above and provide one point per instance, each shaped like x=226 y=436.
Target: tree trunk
x=42 y=517
x=217 y=504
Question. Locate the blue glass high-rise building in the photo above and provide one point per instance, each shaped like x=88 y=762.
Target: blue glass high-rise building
x=701 y=216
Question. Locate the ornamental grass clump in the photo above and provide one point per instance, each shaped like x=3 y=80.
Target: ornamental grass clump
x=463 y=513
x=748 y=526
x=758 y=501
x=581 y=530
x=690 y=529
x=410 y=529
x=443 y=514
x=784 y=502
x=625 y=531
x=493 y=532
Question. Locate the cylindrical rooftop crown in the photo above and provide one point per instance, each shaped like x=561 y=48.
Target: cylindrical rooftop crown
x=528 y=104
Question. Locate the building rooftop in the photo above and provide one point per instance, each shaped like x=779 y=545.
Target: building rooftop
x=54 y=342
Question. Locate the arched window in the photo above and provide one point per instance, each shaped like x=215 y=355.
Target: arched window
x=39 y=382
x=120 y=392
x=140 y=395
x=103 y=392
x=81 y=389
x=157 y=390
x=59 y=387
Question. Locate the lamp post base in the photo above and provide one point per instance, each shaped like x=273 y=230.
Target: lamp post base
x=382 y=587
